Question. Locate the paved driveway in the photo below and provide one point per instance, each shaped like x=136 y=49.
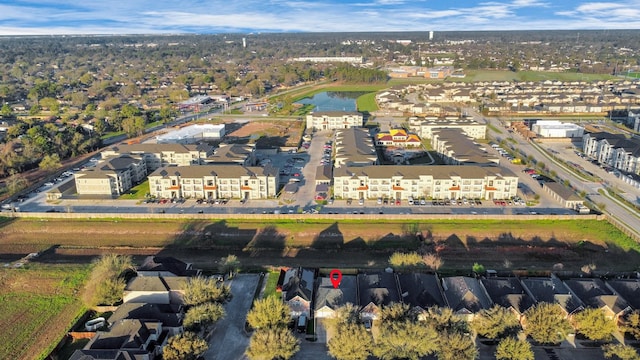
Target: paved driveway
x=229 y=341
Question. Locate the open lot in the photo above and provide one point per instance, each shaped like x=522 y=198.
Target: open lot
x=268 y=133
x=38 y=304
x=537 y=244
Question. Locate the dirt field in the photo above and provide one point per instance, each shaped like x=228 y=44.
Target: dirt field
x=527 y=245
x=274 y=132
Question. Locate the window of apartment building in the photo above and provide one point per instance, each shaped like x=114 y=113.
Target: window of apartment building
x=246 y=183
x=186 y=181
x=174 y=182
x=197 y=181
x=490 y=182
x=209 y=182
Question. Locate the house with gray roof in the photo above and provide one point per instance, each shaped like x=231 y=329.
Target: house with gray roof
x=595 y=294
x=509 y=293
x=465 y=295
x=156 y=289
x=328 y=298
x=297 y=290
x=421 y=291
x=552 y=290
x=126 y=339
x=566 y=196
x=629 y=289
x=376 y=290
x=169 y=315
x=166 y=266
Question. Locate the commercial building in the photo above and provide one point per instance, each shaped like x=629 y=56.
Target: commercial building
x=424 y=127
x=111 y=177
x=158 y=155
x=332 y=120
x=192 y=134
x=214 y=182
x=557 y=129
x=330 y=59
x=432 y=182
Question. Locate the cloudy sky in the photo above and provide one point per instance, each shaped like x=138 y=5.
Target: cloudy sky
x=43 y=17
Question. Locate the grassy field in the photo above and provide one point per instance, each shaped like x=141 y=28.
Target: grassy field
x=35 y=234
x=38 y=304
x=137 y=192
x=367 y=102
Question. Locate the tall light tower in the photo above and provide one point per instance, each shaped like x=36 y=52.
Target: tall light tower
x=430 y=35
x=244 y=42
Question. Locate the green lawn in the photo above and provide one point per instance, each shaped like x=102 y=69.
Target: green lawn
x=137 y=192
x=367 y=102
x=272 y=282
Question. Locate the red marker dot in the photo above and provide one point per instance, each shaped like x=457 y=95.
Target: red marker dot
x=336 y=277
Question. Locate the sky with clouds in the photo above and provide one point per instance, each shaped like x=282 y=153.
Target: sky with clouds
x=56 y=17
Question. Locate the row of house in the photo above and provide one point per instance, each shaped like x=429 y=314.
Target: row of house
x=466 y=296
x=615 y=150
x=152 y=312
x=519 y=97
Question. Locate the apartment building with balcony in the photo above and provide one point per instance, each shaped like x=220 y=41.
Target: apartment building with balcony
x=425 y=127
x=111 y=177
x=431 y=182
x=332 y=120
x=354 y=147
x=159 y=155
x=615 y=150
x=214 y=182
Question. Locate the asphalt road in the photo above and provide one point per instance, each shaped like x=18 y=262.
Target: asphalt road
x=228 y=341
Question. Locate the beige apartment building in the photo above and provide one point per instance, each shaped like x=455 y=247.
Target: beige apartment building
x=430 y=182
x=112 y=176
x=332 y=120
x=214 y=182
x=159 y=155
x=424 y=127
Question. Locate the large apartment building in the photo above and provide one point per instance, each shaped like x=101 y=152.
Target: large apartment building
x=457 y=148
x=354 y=147
x=158 y=155
x=111 y=177
x=424 y=127
x=615 y=150
x=214 y=182
x=332 y=120
x=431 y=182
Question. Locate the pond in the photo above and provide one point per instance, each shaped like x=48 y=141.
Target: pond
x=333 y=100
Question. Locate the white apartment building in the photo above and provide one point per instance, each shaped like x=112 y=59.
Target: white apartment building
x=424 y=127
x=615 y=150
x=111 y=177
x=332 y=120
x=214 y=182
x=431 y=182
x=158 y=155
